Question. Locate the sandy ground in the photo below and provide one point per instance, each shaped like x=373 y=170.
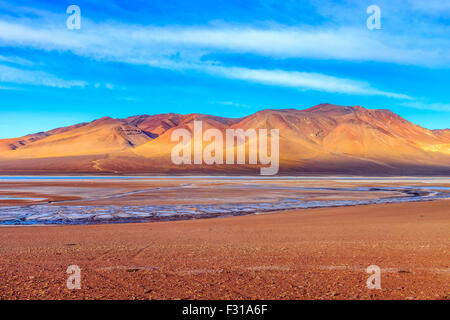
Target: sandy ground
x=301 y=254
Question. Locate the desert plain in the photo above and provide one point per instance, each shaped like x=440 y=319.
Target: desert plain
x=300 y=253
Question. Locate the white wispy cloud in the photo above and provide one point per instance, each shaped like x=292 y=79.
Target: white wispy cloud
x=233 y=104
x=303 y=80
x=16 y=60
x=20 y=76
x=139 y=43
x=427 y=106
x=291 y=42
x=9 y=88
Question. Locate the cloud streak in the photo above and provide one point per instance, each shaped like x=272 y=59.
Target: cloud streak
x=428 y=106
x=124 y=42
x=16 y=60
x=303 y=80
x=40 y=78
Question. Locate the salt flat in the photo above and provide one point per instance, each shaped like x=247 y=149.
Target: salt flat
x=90 y=200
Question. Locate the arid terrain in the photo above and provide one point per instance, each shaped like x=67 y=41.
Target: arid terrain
x=325 y=139
x=301 y=254
x=314 y=253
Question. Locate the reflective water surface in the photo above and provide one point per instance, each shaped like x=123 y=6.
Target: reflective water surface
x=202 y=197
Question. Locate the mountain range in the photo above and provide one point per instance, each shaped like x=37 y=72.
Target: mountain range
x=324 y=139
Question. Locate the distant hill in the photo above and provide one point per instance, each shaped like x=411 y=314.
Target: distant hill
x=324 y=139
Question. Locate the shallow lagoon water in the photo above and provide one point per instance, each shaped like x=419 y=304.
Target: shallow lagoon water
x=20 y=198
x=92 y=214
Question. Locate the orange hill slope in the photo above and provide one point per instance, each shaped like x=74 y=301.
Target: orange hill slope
x=325 y=139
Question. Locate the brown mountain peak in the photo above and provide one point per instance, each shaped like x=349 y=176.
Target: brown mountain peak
x=332 y=108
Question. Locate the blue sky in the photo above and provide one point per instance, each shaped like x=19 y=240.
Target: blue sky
x=228 y=58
